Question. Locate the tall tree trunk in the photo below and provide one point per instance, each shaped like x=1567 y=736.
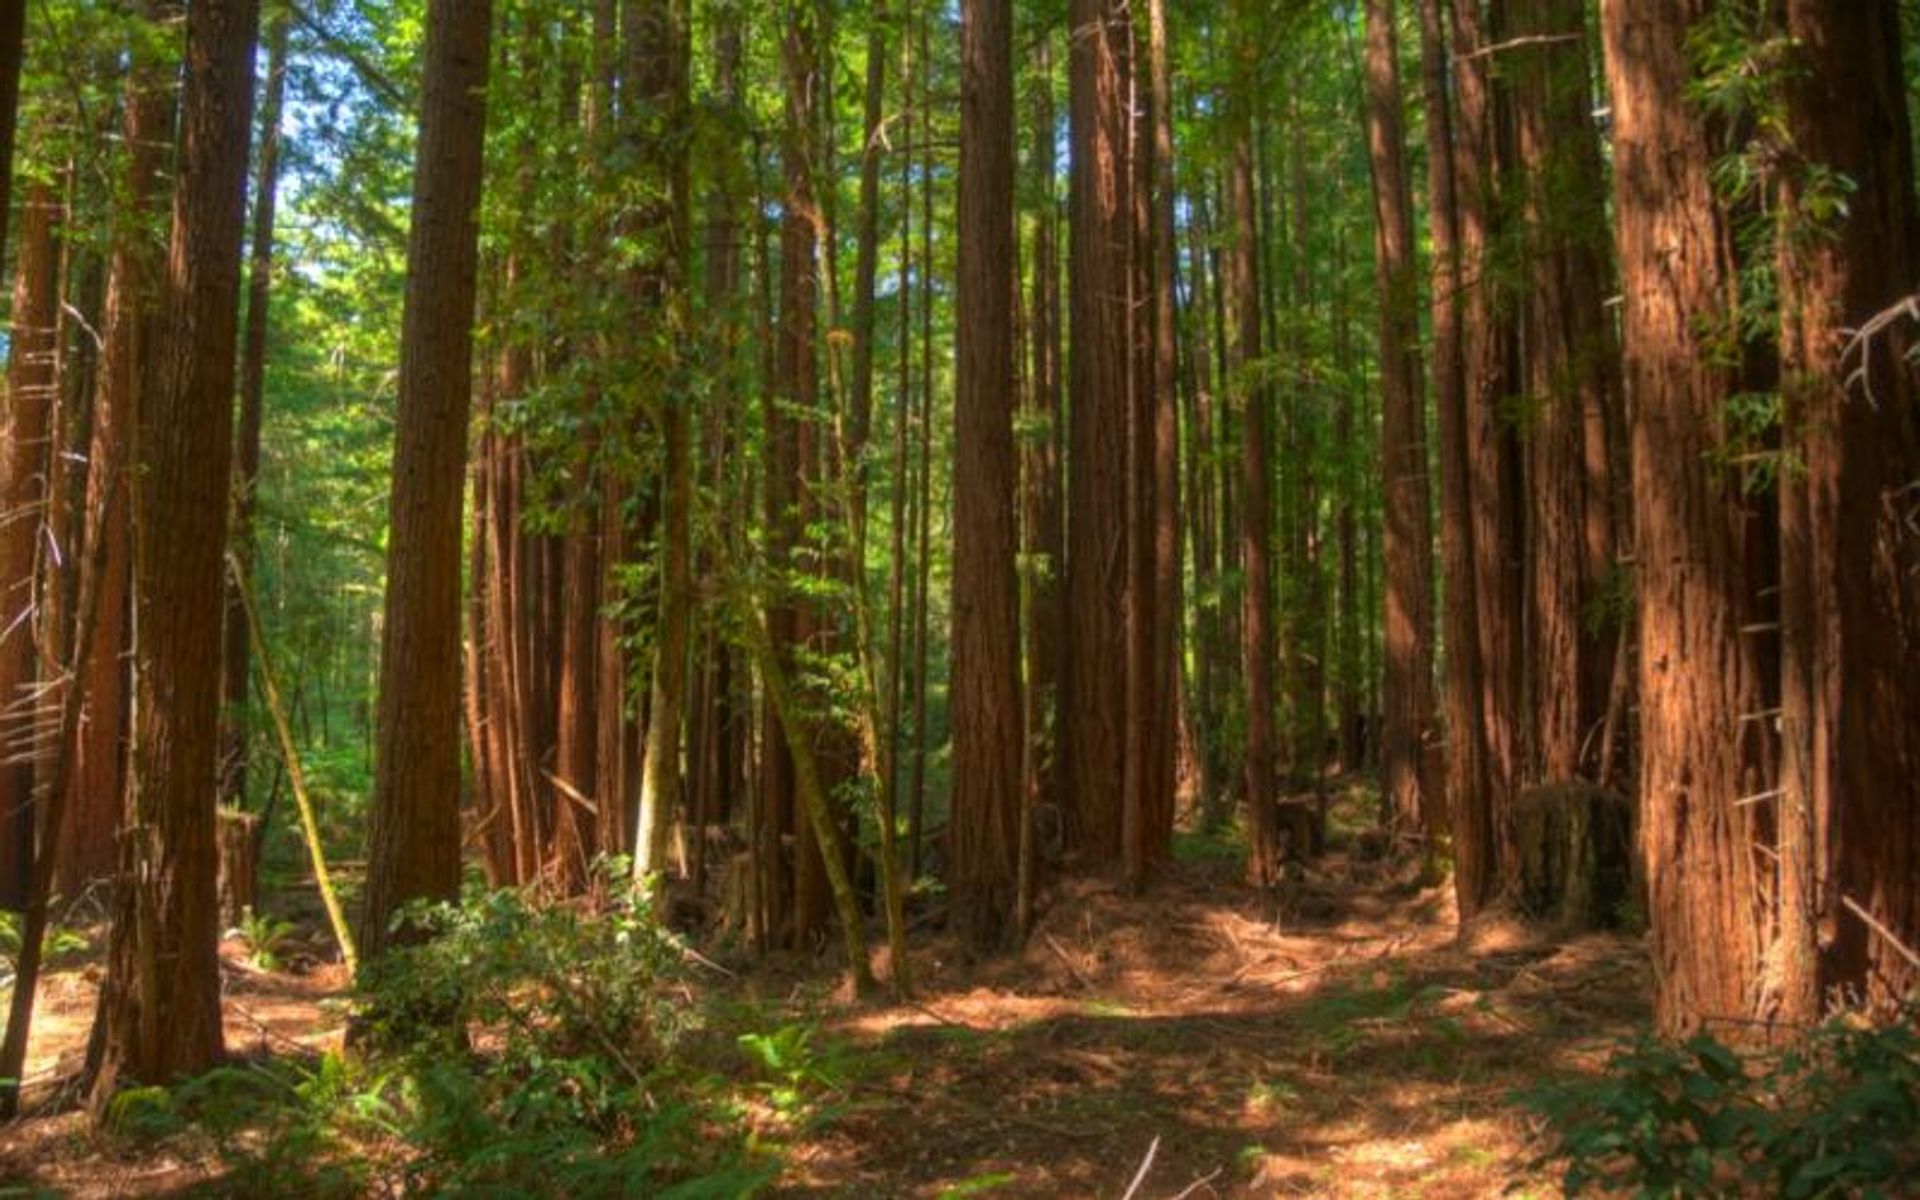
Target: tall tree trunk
x=13 y=36
x=26 y=466
x=1162 y=416
x=923 y=488
x=87 y=850
x=1570 y=363
x=1043 y=519
x=1493 y=467
x=253 y=384
x=159 y=1009
x=1247 y=385
x=986 y=596
x=1466 y=783
x=799 y=389
x=661 y=76
x=414 y=848
x=1407 y=537
x=1094 y=709
x=1850 y=572
x=1701 y=676
x=1202 y=714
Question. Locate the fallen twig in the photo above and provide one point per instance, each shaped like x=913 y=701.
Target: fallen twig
x=1054 y=944
x=1199 y=1183
x=1140 y=1176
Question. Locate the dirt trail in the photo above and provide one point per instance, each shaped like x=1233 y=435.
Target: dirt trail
x=1344 y=1045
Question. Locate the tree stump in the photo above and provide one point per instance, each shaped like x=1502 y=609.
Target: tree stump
x=1575 y=849
x=1302 y=820
x=239 y=864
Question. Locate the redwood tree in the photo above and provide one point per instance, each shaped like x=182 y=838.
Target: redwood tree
x=1700 y=672
x=26 y=440
x=986 y=597
x=1406 y=542
x=159 y=1009
x=1093 y=702
x=415 y=839
x=1850 y=570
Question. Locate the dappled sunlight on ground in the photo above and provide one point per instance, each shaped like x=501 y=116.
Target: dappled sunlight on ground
x=1362 y=1052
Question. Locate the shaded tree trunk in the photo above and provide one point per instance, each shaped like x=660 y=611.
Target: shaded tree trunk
x=1043 y=519
x=661 y=76
x=1246 y=368
x=130 y=335
x=1849 y=844
x=415 y=835
x=1570 y=368
x=159 y=1013
x=1094 y=703
x=26 y=467
x=253 y=383
x=1466 y=783
x=1406 y=541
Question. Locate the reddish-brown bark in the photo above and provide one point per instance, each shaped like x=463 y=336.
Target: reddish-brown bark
x=986 y=598
x=159 y=1013
x=415 y=835
x=1701 y=673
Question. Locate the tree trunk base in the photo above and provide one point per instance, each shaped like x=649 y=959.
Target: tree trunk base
x=239 y=864
x=1575 y=855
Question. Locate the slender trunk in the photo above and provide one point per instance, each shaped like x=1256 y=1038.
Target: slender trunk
x=986 y=597
x=1248 y=387
x=661 y=76
x=1406 y=540
x=1570 y=364
x=1094 y=710
x=1162 y=415
x=253 y=384
x=1466 y=794
x=1043 y=524
x=26 y=441
x=1493 y=485
x=87 y=846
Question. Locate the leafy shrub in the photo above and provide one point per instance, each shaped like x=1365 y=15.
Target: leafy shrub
x=508 y=1048
x=1838 y=1115
x=534 y=1044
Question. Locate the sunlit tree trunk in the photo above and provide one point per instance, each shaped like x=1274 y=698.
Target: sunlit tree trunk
x=1701 y=673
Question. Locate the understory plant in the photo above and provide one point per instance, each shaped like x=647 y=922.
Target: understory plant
x=1837 y=1114
x=508 y=1046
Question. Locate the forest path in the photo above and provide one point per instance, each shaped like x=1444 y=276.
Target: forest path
x=1340 y=1041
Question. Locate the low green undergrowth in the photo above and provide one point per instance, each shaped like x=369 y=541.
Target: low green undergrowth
x=509 y=1048
x=1837 y=1115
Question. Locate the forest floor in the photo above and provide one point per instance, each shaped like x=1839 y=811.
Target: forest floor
x=1339 y=1039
